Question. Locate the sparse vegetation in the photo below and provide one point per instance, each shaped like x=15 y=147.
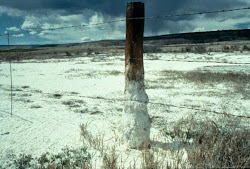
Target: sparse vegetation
x=57 y=95
x=235 y=48
x=152 y=57
x=35 y=106
x=152 y=49
x=89 y=51
x=191 y=142
x=110 y=161
x=223 y=143
x=96 y=142
x=68 y=54
x=23 y=161
x=73 y=103
x=200 y=49
x=68 y=158
x=246 y=48
x=188 y=49
x=210 y=144
x=208 y=76
x=115 y=73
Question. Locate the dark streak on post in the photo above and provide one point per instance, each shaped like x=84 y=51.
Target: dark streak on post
x=134 y=70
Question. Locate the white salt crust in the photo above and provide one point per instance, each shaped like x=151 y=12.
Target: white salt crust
x=135 y=121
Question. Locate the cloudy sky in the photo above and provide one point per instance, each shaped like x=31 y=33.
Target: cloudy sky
x=30 y=15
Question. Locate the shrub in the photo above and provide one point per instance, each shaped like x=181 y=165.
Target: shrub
x=225 y=49
x=246 y=48
x=153 y=57
x=77 y=53
x=89 y=51
x=68 y=54
x=200 y=49
x=235 y=48
x=188 y=49
x=110 y=161
x=23 y=161
x=69 y=158
x=115 y=73
x=209 y=77
x=214 y=145
x=152 y=49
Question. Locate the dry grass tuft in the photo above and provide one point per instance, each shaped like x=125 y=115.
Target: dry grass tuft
x=110 y=161
x=96 y=142
x=207 y=77
x=214 y=145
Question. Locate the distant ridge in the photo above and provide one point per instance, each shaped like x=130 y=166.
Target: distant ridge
x=171 y=39
x=201 y=37
x=184 y=38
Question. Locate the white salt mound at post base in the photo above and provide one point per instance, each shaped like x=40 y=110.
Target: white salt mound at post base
x=135 y=91
x=135 y=121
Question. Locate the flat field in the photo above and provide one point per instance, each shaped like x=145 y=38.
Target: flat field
x=52 y=98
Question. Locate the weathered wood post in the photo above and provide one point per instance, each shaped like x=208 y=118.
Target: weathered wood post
x=136 y=121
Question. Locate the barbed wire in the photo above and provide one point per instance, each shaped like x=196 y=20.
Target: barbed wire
x=191 y=14
x=124 y=19
x=188 y=61
x=176 y=60
x=6 y=112
x=165 y=104
x=120 y=20
x=154 y=103
x=124 y=100
x=65 y=27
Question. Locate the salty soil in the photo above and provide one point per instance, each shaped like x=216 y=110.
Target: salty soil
x=52 y=98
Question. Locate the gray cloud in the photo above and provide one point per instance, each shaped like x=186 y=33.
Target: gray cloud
x=111 y=7
x=13 y=29
x=165 y=7
x=117 y=7
x=59 y=13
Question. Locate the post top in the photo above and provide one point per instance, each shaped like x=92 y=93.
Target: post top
x=135 y=3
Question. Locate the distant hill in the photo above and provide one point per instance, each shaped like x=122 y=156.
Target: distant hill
x=196 y=42
x=200 y=37
x=171 y=39
x=184 y=38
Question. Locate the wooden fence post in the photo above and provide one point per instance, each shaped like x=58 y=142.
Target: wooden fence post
x=136 y=122
x=134 y=41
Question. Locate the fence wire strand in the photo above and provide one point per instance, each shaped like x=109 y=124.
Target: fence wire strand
x=121 y=100
x=191 y=14
x=174 y=60
x=121 y=20
x=167 y=105
x=124 y=19
x=156 y=103
x=6 y=112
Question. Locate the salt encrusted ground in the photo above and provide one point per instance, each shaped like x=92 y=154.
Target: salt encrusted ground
x=53 y=96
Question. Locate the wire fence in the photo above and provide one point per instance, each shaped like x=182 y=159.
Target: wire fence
x=122 y=20
x=195 y=61
x=111 y=22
